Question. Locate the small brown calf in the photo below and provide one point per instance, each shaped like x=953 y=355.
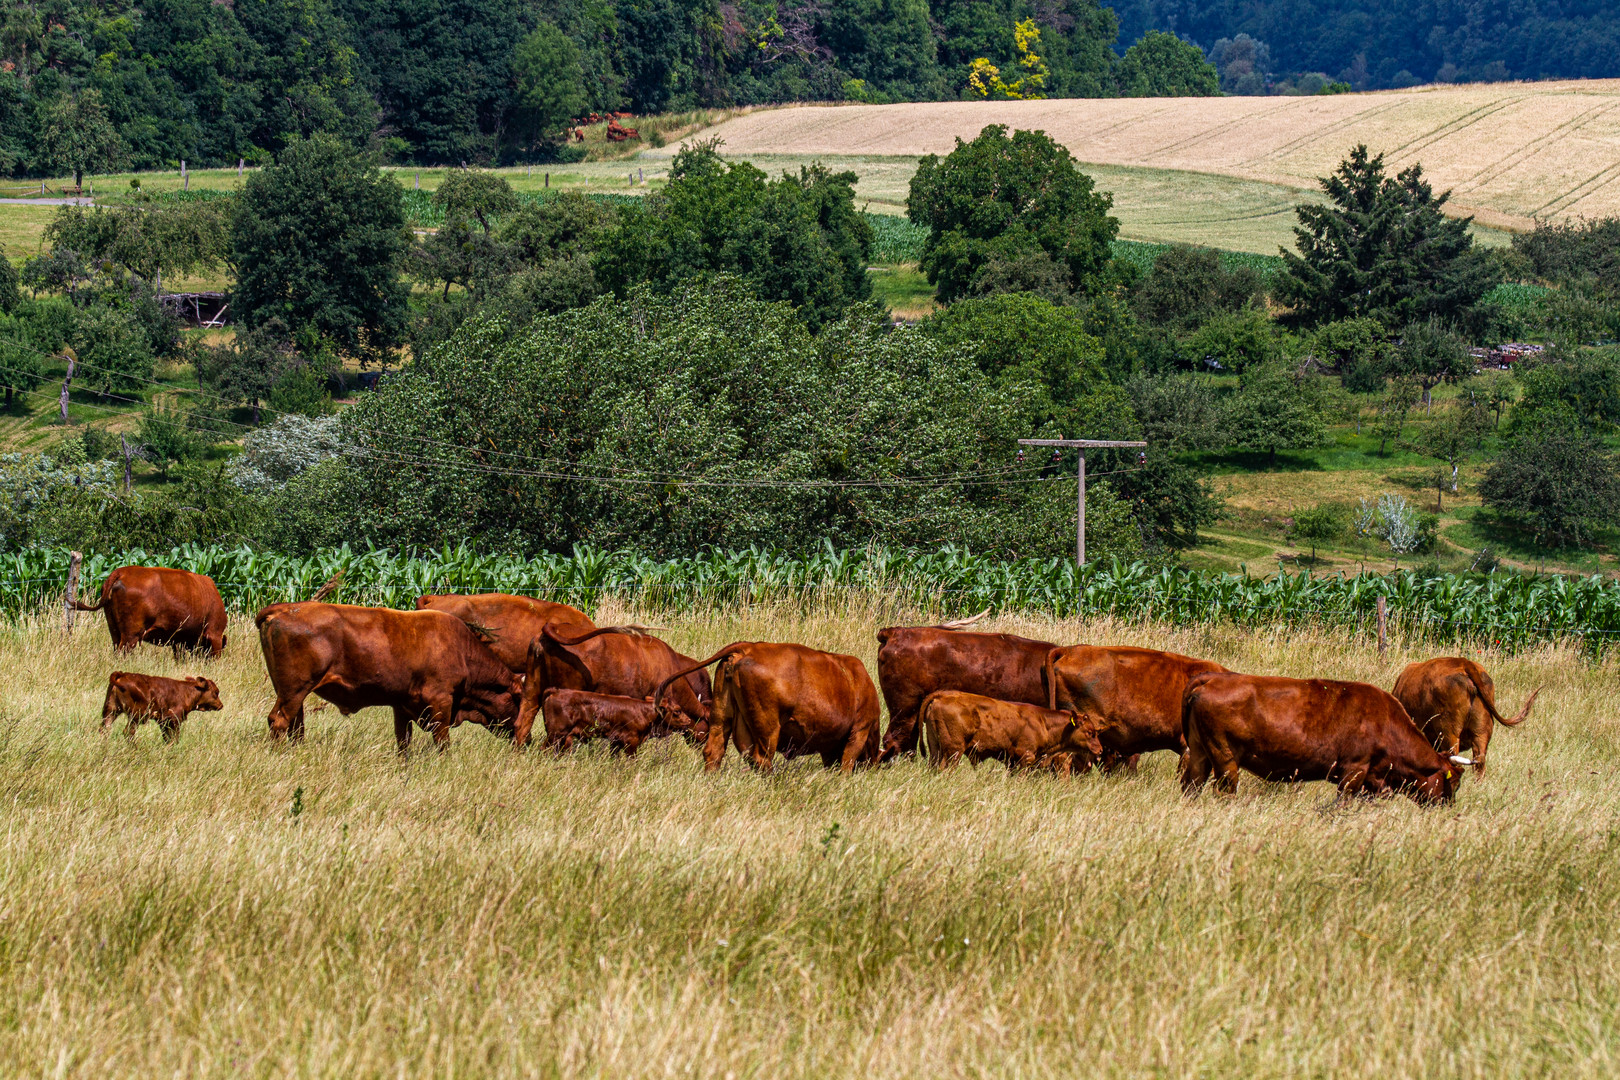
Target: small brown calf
x=151 y=697
x=1024 y=736
x=580 y=715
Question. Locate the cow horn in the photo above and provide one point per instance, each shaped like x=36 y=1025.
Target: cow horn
x=1458 y=759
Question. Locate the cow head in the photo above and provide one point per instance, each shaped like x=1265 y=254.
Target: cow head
x=207 y=695
x=1080 y=739
x=1439 y=786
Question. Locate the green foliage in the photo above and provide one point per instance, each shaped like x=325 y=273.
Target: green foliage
x=1013 y=210
x=895 y=239
x=1361 y=349
x=550 y=83
x=1277 y=409
x=29 y=483
x=797 y=239
x=1237 y=342
x=1398 y=403
x=279 y=452
x=1582 y=391
x=707 y=418
x=32 y=332
x=9 y=296
x=1557 y=482
x=1567 y=253
x=1024 y=342
x=1452 y=435
x=476 y=194
x=115 y=355
x=1429 y=354
x=1189 y=285
x=146 y=239
x=1163 y=65
x=244 y=368
x=1177 y=413
x=1321 y=524
x=301 y=390
x=168 y=436
x=317 y=241
x=77 y=136
x=1382 y=250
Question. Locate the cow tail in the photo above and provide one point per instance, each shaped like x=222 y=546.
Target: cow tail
x=923 y=738
x=80 y=605
x=1051 y=678
x=633 y=629
x=658 y=695
x=1488 y=696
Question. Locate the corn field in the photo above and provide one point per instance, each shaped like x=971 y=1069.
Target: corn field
x=1505 y=610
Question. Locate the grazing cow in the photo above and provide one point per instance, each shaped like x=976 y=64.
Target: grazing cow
x=1453 y=702
x=508 y=624
x=429 y=667
x=152 y=697
x=978 y=727
x=619 y=660
x=579 y=716
x=792 y=699
x=914 y=661
x=1133 y=694
x=162 y=606
x=1308 y=729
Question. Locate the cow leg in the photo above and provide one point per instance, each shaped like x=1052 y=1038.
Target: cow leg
x=109 y=710
x=442 y=714
x=134 y=722
x=170 y=726
x=855 y=747
x=722 y=720
x=1196 y=767
x=1226 y=779
x=402 y=730
x=295 y=729
x=287 y=712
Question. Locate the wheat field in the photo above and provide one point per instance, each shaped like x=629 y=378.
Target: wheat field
x=1510 y=152
x=226 y=907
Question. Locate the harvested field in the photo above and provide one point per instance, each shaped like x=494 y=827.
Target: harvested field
x=1511 y=152
x=225 y=907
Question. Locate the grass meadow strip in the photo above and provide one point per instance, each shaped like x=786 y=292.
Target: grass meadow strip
x=226 y=907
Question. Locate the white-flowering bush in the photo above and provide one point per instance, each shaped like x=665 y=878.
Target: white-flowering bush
x=278 y=452
x=29 y=481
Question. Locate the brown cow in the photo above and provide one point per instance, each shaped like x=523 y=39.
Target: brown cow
x=914 y=661
x=1307 y=729
x=162 y=606
x=429 y=667
x=978 y=727
x=1134 y=695
x=1453 y=702
x=509 y=623
x=620 y=660
x=152 y=697
x=579 y=715
x=792 y=699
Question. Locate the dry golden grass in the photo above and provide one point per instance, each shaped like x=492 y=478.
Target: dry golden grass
x=480 y=913
x=1509 y=151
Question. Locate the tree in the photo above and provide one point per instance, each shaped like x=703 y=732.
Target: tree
x=1177 y=413
x=1318 y=525
x=1429 y=355
x=1276 y=409
x=1451 y=436
x=1397 y=405
x=1022 y=339
x=1557 y=482
x=550 y=82
x=10 y=297
x=1000 y=200
x=1162 y=65
x=1582 y=391
x=476 y=194
x=1188 y=286
x=247 y=367
x=796 y=238
x=1235 y=342
x=1361 y=349
x=115 y=355
x=1243 y=63
x=146 y=239
x=168 y=436
x=984 y=78
x=1381 y=249
x=76 y=135
x=277 y=453
x=317 y=242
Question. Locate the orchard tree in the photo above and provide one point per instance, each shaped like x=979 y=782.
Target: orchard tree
x=550 y=83
x=1557 y=482
x=1429 y=355
x=317 y=242
x=1381 y=248
x=76 y=135
x=1003 y=202
x=1318 y=525
x=1277 y=409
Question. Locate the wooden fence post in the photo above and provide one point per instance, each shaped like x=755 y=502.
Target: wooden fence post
x=1383 y=623
x=74 y=558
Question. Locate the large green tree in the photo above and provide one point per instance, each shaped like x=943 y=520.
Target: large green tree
x=550 y=83
x=795 y=238
x=1163 y=65
x=1381 y=247
x=1557 y=482
x=317 y=242
x=1010 y=209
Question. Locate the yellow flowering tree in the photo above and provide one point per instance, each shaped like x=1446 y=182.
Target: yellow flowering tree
x=985 y=78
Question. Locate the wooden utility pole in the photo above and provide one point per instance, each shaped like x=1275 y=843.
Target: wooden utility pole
x=1082 y=445
x=74 y=558
x=72 y=361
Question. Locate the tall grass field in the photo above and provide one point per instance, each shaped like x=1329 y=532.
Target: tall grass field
x=224 y=906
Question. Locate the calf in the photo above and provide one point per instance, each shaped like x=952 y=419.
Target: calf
x=1307 y=729
x=579 y=716
x=152 y=697
x=1453 y=702
x=967 y=725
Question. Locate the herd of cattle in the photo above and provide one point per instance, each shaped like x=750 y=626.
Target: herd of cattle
x=505 y=661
